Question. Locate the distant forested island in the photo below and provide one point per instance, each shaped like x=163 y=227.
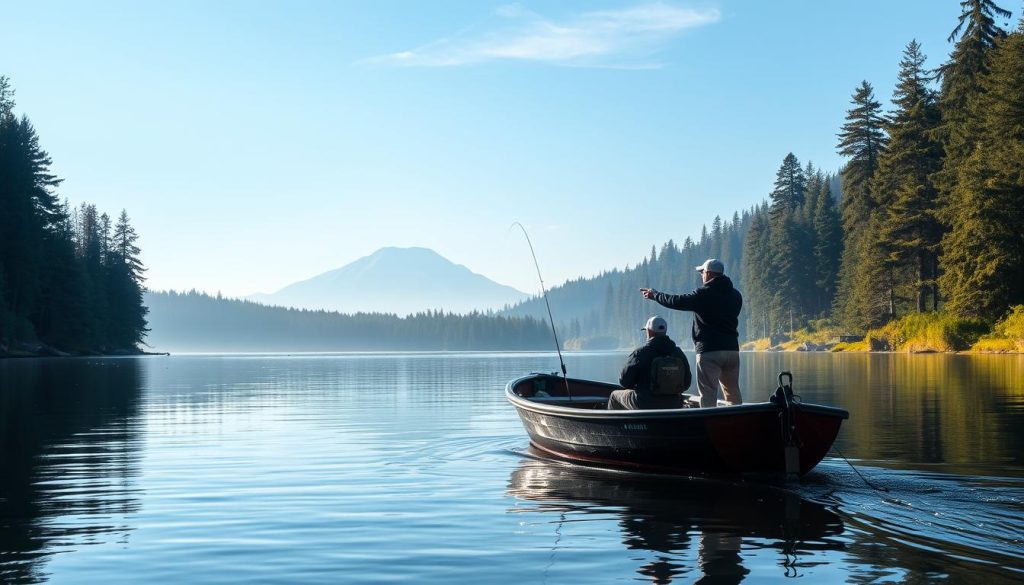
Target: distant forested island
x=918 y=244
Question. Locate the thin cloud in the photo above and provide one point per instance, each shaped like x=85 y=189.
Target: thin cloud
x=607 y=38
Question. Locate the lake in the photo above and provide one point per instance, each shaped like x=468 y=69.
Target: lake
x=401 y=468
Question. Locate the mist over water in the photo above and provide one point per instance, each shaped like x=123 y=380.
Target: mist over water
x=368 y=468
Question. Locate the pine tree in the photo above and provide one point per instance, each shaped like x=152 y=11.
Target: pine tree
x=757 y=280
x=975 y=35
x=967 y=63
x=28 y=209
x=66 y=317
x=715 y=248
x=910 y=232
x=862 y=139
x=983 y=258
x=790 y=187
x=791 y=253
x=126 y=286
x=828 y=247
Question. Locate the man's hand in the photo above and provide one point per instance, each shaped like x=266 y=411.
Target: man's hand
x=648 y=293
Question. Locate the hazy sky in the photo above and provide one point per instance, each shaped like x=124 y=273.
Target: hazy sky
x=255 y=144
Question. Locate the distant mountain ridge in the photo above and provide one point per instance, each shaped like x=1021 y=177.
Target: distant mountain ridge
x=397 y=280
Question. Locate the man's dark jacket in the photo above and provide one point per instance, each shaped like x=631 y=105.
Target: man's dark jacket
x=716 y=309
x=636 y=374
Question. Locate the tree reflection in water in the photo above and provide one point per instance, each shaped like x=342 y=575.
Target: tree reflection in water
x=69 y=451
x=694 y=527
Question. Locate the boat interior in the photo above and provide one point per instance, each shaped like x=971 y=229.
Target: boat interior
x=581 y=394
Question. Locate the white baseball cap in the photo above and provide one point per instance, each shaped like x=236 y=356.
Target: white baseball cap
x=656 y=324
x=712 y=265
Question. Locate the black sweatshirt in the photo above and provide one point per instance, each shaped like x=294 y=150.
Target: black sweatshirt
x=636 y=374
x=716 y=309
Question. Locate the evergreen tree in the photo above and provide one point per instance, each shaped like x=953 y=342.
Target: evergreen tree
x=66 y=317
x=28 y=210
x=910 y=232
x=791 y=253
x=983 y=253
x=757 y=276
x=975 y=35
x=813 y=190
x=862 y=139
x=828 y=247
x=55 y=266
x=125 y=288
x=967 y=63
x=790 y=187
x=715 y=249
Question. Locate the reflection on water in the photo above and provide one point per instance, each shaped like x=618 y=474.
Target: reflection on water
x=964 y=413
x=692 y=528
x=413 y=468
x=69 y=452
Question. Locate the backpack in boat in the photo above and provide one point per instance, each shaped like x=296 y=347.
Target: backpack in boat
x=670 y=375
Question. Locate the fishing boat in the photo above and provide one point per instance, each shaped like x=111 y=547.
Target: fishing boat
x=568 y=418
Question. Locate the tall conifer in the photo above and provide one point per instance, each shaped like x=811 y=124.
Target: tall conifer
x=909 y=229
x=828 y=247
x=975 y=34
x=757 y=280
x=791 y=249
x=863 y=140
x=983 y=259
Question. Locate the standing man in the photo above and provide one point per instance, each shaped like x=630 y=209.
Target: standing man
x=716 y=308
x=641 y=389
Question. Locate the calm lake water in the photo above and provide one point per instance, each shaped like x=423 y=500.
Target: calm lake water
x=412 y=468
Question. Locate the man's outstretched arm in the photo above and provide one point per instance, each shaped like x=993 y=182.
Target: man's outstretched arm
x=683 y=302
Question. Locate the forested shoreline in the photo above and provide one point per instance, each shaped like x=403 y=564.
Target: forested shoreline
x=916 y=243
x=920 y=234
x=932 y=213
x=71 y=281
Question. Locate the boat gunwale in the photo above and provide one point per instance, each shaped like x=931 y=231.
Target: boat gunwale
x=664 y=413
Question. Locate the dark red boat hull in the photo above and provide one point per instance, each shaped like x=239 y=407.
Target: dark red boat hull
x=742 y=439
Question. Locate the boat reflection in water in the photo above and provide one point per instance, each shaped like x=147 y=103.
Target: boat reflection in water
x=695 y=528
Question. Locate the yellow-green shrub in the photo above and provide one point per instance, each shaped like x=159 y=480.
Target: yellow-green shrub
x=1007 y=334
x=851 y=346
x=759 y=344
x=995 y=345
x=930 y=332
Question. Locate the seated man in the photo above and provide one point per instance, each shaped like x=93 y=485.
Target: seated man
x=655 y=374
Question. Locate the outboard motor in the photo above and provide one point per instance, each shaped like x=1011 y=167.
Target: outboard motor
x=783 y=398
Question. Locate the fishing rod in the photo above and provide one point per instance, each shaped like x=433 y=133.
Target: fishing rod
x=551 y=319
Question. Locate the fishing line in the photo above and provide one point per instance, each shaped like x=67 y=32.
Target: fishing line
x=551 y=319
x=855 y=470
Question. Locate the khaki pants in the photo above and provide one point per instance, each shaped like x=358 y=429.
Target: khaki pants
x=718 y=368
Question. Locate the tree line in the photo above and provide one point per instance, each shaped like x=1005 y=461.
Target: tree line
x=195 y=321
x=926 y=215
x=69 y=278
x=932 y=207
x=606 y=311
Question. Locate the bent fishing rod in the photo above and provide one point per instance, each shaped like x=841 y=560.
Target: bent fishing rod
x=551 y=319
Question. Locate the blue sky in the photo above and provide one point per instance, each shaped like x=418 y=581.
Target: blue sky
x=255 y=144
